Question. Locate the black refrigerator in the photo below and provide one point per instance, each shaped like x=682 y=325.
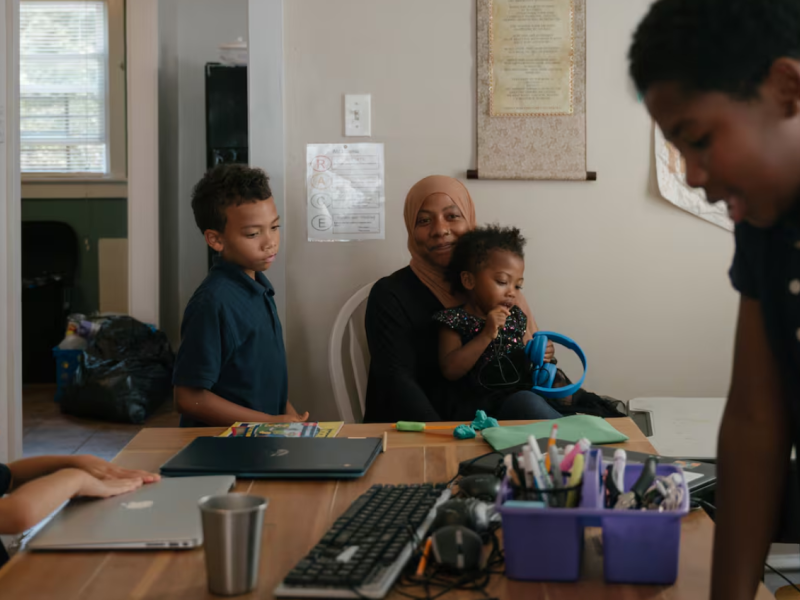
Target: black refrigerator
x=226 y=117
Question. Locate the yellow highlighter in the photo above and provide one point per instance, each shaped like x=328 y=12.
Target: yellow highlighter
x=575 y=479
x=416 y=426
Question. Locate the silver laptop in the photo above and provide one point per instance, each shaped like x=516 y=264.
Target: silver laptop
x=157 y=515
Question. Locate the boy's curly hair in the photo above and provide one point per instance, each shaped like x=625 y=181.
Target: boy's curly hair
x=714 y=45
x=474 y=247
x=224 y=186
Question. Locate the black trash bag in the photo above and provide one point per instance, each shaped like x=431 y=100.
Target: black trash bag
x=125 y=374
x=584 y=402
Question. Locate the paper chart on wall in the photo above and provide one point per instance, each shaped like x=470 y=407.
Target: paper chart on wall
x=671 y=172
x=345 y=192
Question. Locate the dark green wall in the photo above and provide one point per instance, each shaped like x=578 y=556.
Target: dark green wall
x=91 y=219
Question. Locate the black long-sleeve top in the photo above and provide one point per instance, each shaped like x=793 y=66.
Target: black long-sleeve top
x=405 y=381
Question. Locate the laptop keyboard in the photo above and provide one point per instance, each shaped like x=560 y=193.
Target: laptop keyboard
x=367 y=547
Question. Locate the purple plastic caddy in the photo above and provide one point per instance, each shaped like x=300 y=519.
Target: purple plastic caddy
x=643 y=546
x=546 y=544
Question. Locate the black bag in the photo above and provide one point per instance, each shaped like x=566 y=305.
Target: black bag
x=584 y=402
x=125 y=374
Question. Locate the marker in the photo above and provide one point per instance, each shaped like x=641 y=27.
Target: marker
x=532 y=467
x=582 y=446
x=530 y=479
x=551 y=443
x=417 y=426
x=537 y=454
x=575 y=480
x=558 y=477
x=619 y=468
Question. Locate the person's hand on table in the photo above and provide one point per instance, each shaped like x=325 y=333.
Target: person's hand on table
x=92 y=487
x=106 y=471
x=293 y=416
x=287 y=418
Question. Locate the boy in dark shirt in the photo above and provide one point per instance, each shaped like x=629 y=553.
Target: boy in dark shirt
x=231 y=365
x=722 y=80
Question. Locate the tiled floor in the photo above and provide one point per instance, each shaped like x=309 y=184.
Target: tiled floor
x=47 y=431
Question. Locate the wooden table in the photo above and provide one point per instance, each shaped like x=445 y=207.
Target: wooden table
x=300 y=512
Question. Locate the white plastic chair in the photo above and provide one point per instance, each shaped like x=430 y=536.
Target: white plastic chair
x=357 y=351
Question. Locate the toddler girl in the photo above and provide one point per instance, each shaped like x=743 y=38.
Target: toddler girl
x=482 y=342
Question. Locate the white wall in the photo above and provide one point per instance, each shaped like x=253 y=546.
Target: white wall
x=266 y=126
x=141 y=69
x=190 y=32
x=640 y=284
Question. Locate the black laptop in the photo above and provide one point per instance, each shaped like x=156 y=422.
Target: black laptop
x=275 y=458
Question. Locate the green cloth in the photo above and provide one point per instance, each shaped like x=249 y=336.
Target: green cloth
x=570 y=429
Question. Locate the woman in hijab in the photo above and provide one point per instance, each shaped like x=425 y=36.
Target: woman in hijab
x=405 y=381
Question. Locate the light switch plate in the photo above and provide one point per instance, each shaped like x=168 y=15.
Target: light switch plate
x=358 y=114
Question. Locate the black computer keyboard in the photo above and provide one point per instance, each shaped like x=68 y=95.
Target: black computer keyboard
x=366 y=549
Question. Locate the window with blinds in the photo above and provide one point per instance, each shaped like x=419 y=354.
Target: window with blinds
x=63 y=87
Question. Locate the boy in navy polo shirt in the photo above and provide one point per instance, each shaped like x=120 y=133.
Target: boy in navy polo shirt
x=722 y=80
x=231 y=365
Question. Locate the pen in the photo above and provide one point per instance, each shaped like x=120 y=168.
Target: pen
x=551 y=443
x=619 y=468
x=575 y=479
x=423 y=561
x=582 y=446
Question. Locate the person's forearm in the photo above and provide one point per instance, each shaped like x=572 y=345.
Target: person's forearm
x=749 y=493
x=35 y=500
x=208 y=408
x=458 y=363
x=27 y=469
